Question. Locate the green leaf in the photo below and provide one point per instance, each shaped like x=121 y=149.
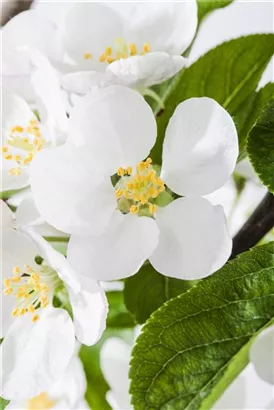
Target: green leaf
x=260 y=146
x=3 y=403
x=249 y=112
x=229 y=73
x=97 y=387
x=146 y=291
x=118 y=316
x=207 y=6
x=196 y=344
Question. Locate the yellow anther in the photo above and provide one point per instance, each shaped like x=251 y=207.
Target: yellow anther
x=15 y=312
x=33 y=121
x=35 y=277
x=87 y=56
x=27 y=268
x=22 y=312
x=8 y=291
x=16 y=279
x=8 y=157
x=44 y=303
x=129 y=170
x=146 y=48
x=4 y=149
x=6 y=282
x=121 y=172
x=148 y=161
x=119 y=193
x=110 y=60
x=31 y=309
x=108 y=51
x=44 y=287
x=35 y=318
x=17 y=128
x=134 y=209
x=152 y=208
x=15 y=171
x=133 y=49
x=25 y=140
x=16 y=269
x=102 y=58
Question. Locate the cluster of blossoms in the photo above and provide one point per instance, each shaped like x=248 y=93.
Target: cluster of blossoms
x=77 y=135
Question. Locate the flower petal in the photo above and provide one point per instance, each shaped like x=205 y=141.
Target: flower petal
x=90 y=28
x=27 y=29
x=194 y=240
x=119 y=252
x=6 y=215
x=200 y=148
x=15 y=111
x=35 y=355
x=68 y=191
x=116 y=125
x=82 y=81
x=90 y=310
x=145 y=71
x=165 y=26
x=262 y=355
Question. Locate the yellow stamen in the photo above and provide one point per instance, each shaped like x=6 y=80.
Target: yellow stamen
x=31 y=308
x=134 y=209
x=133 y=49
x=4 y=149
x=17 y=128
x=16 y=279
x=146 y=48
x=87 y=56
x=121 y=172
x=6 y=282
x=35 y=318
x=8 y=157
x=119 y=193
x=7 y=291
x=152 y=208
x=16 y=269
x=102 y=58
x=108 y=51
x=129 y=170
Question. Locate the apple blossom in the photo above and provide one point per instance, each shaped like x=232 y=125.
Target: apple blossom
x=39 y=338
x=67 y=393
x=110 y=131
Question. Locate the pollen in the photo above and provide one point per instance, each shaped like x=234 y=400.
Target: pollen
x=133 y=49
x=146 y=48
x=88 y=56
x=140 y=188
x=121 y=50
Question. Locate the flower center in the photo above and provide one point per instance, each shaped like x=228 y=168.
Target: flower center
x=28 y=140
x=41 y=402
x=31 y=289
x=136 y=192
x=120 y=50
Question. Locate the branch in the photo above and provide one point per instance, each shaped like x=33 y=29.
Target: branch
x=256 y=227
x=11 y=8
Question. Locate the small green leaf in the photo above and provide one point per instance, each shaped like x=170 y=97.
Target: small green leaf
x=260 y=146
x=3 y=403
x=229 y=73
x=207 y=6
x=146 y=291
x=249 y=112
x=118 y=316
x=196 y=344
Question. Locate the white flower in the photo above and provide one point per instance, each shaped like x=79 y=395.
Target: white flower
x=23 y=135
x=262 y=355
x=114 y=359
x=113 y=129
x=39 y=339
x=67 y=393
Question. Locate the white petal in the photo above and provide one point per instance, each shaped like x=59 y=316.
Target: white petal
x=6 y=215
x=13 y=182
x=114 y=358
x=35 y=355
x=262 y=355
x=90 y=310
x=116 y=125
x=145 y=71
x=6 y=308
x=72 y=385
x=69 y=193
x=27 y=29
x=15 y=111
x=82 y=81
x=119 y=252
x=19 y=85
x=90 y=28
x=50 y=98
x=193 y=241
x=27 y=213
x=200 y=148
x=166 y=26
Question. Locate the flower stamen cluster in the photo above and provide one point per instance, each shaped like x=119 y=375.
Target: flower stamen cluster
x=25 y=139
x=140 y=189
x=121 y=50
x=32 y=289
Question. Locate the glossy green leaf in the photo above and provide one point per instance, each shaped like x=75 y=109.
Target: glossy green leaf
x=249 y=112
x=229 y=73
x=207 y=6
x=260 y=146
x=3 y=403
x=118 y=316
x=196 y=344
x=146 y=291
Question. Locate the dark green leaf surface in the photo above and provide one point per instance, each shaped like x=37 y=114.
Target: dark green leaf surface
x=260 y=146
x=118 y=316
x=229 y=73
x=249 y=112
x=146 y=291
x=3 y=403
x=195 y=345
x=207 y=6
